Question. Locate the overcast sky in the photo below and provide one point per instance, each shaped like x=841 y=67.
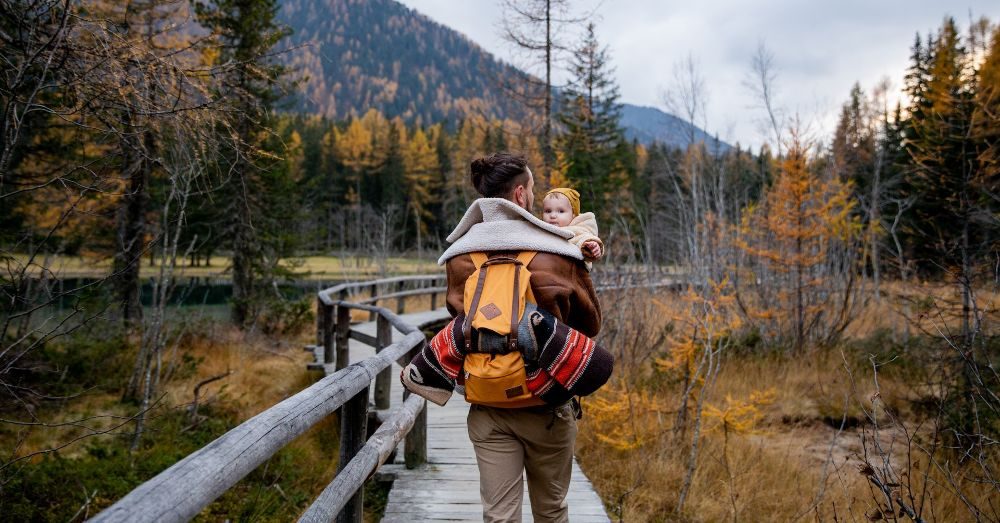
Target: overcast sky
x=820 y=48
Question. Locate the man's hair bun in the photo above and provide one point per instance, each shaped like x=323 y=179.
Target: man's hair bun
x=480 y=166
x=496 y=175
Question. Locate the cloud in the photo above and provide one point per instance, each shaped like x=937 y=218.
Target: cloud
x=820 y=48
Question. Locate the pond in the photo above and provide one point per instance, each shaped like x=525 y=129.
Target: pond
x=194 y=291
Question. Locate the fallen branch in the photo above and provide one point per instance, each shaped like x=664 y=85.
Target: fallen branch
x=869 y=473
x=193 y=409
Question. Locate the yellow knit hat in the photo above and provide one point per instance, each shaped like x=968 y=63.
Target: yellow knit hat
x=571 y=195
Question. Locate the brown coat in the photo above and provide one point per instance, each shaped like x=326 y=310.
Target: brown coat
x=561 y=286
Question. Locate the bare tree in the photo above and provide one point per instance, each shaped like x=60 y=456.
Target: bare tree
x=535 y=29
x=188 y=150
x=93 y=99
x=762 y=82
x=687 y=96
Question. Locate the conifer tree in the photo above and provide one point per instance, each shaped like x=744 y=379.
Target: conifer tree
x=986 y=134
x=858 y=156
x=590 y=113
x=442 y=147
x=952 y=223
x=421 y=176
x=799 y=244
x=392 y=175
x=246 y=31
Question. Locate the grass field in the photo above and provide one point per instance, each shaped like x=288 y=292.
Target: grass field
x=786 y=436
x=305 y=268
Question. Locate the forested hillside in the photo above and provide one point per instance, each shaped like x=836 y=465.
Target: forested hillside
x=356 y=55
x=379 y=54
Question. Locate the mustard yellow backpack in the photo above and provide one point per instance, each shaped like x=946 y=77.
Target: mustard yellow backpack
x=495 y=298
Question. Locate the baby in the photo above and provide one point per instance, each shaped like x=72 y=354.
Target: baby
x=561 y=207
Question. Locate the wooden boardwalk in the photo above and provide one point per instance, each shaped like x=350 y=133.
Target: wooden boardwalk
x=447 y=487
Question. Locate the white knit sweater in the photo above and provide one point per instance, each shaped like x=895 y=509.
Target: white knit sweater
x=496 y=224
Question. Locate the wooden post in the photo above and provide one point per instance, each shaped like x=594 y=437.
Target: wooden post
x=326 y=320
x=415 y=448
x=353 y=431
x=373 y=294
x=400 y=301
x=434 y=300
x=342 y=336
x=383 y=381
x=320 y=327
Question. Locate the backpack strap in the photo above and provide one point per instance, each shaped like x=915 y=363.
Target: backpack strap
x=515 y=306
x=467 y=326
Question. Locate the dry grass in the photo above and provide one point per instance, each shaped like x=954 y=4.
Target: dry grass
x=263 y=372
x=914 y=308
x=260 y=372
x=794 y=463
x=306 y=268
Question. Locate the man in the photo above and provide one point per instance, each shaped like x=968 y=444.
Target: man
x=538 y=441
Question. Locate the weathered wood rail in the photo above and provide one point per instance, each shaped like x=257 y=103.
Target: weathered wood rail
x=180 y=492
x=184 y=489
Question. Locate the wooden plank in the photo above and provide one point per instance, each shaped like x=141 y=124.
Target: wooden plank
x=404 y=294
x=327 y=335
x=461 y=494
x=416 y=441
x=424 y=511
x=328 y=295
x=355 y=334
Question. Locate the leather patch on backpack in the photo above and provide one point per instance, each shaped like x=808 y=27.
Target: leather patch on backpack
x=514 y=392
x=490 y=311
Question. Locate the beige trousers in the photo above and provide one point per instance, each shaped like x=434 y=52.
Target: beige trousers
x=511 y=442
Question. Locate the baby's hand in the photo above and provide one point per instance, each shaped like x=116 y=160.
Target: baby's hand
x=592 y=249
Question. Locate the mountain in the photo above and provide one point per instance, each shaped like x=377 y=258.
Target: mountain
x=649 y=124
x=361 y=54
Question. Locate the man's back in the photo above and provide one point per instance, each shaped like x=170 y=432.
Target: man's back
x=561 y=286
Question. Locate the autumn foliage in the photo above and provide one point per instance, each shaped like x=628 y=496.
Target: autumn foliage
x=798 y=266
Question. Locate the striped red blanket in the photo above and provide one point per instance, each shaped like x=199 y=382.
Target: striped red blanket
x=560 y=361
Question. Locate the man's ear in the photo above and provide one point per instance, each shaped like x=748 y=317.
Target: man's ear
x=519 y=195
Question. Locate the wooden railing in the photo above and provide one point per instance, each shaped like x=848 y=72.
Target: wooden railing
x=183 y=490
x=333 y=322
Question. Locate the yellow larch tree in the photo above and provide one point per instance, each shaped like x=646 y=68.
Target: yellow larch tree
x=800 y=254
x=422 y=180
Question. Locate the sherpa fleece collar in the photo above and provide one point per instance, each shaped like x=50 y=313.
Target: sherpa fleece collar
x=497 y=224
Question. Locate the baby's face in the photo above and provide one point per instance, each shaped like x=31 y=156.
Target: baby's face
x=557 y=210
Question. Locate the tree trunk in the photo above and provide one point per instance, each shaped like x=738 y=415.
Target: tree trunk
x=132 y=224
x=875 y=221
x=243 y=277
x=547 y=155
x=799 y=306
